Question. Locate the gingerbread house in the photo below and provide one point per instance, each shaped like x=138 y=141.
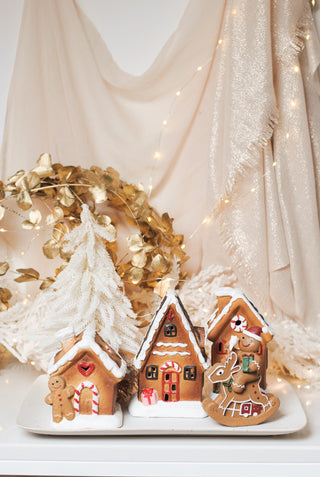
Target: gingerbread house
x=92 y=367
x=236 y=315
x=171 y=360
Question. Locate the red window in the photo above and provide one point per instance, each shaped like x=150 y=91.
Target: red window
x=170 y=386
x=221 y=347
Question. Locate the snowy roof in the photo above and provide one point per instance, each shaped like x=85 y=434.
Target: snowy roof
x=234 y=295
x=88 y=342
x=169 y=299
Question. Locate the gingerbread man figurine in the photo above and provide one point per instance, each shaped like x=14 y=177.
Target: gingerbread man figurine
x=59 y=399
x=248 y=358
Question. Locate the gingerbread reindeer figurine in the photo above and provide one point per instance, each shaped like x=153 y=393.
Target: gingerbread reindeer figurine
x=233 y=408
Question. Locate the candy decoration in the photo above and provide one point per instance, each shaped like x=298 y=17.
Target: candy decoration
x=95 y=396
x=171 y=364
x=238 y=323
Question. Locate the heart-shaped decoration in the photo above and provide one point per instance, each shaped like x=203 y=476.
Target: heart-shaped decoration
x=85 y=368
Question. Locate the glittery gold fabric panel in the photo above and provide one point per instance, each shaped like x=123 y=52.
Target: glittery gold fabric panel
x=266 y=199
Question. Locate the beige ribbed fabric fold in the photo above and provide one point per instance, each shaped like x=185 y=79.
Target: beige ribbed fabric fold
x=242 y=138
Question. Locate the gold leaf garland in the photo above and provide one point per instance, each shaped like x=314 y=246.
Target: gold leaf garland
x=151 y=251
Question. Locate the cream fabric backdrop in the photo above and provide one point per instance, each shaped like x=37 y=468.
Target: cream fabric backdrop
x=242 y=138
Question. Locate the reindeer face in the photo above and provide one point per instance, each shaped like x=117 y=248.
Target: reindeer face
x=218 y=374
x=222 y=372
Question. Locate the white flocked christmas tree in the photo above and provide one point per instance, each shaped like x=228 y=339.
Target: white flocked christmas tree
x=89 y=292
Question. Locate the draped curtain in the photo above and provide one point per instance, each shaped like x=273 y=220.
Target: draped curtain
x=237 y=161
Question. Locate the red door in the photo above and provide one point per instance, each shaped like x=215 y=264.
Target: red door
x=170 y=386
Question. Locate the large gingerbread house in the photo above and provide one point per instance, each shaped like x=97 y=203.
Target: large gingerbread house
x=235 y=315
x=92 y=367
x=171 y=360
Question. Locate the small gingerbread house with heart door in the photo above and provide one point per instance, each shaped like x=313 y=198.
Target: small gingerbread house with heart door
x=171 y=362
x=235 y=321
x=91 y=368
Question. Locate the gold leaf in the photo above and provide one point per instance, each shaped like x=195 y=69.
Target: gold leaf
x=51 y=248
x=60 y=231
x=65 y=197
x=34 y=219
x=2 y=211
x=47 y=282
x=103 y=220
x=167 y=223
x=30 y=272
x=5 y=294
x=139 y=259
x=28 y=181
x=44 y=165
x=28 y=275
x=16 y=176
x=136 y=275
x=160 y=264
x=113 y=177
x=4 y=267
x=135 y=242
x=99 y=194
x=57 y=214
x=2 y=190
x=24 y=200
x=66 y=173
x=35 y=216
x=26 y=225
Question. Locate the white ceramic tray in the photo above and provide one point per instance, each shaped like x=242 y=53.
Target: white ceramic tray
x=35 y=416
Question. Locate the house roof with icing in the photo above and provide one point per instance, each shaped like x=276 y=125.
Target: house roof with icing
x=235 y=295
x=89 y=340
x=170 y=299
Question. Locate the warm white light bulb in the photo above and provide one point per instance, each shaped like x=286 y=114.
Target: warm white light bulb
x=296 y=69
x=157 y=155
x=165 y=122
x=178 y=93
x=199 y=68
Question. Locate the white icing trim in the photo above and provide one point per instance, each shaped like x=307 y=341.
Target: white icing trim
x=171 y=298
x=88 y=342
x=234 y=295
x=181 y=345
x=252 y=335
x=171 y=353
